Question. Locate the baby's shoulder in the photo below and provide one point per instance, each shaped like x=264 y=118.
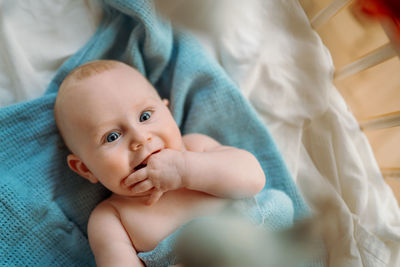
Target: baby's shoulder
x=199 y=142
x=103 y=216
x=104 y=208
x=113 y=209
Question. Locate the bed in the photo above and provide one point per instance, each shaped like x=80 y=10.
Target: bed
x=271 y=52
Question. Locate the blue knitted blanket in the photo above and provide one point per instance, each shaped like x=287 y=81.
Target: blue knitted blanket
x=44 y=207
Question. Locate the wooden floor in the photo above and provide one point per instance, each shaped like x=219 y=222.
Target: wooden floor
x=371 y=92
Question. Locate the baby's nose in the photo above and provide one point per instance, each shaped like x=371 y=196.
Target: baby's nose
x=139 y=143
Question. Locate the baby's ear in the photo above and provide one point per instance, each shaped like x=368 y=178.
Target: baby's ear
x=77 y=165
x=165 y=101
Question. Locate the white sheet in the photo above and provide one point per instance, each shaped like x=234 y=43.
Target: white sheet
x=36 y=36
x=282 y=67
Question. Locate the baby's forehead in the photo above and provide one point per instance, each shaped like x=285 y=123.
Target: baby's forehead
x=116 y=79
x=121 y=84
x=87 y=98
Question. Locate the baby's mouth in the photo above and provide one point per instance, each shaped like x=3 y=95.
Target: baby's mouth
x=140 y=166
x=144 y=162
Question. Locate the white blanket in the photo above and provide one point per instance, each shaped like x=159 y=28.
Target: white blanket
x=36 y=36
x=284 y=70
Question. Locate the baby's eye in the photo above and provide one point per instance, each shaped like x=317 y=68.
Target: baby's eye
x=145 y=116
x=112 y=137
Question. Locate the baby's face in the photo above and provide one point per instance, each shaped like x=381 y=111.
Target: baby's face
x=115 y=121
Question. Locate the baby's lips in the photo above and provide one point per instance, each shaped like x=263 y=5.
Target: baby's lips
x=138 y=167
x=144 y=162
x=141 y=165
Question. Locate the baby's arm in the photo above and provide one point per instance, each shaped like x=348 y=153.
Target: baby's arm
x=108 y=239
x=219 y=170
x=205 y=166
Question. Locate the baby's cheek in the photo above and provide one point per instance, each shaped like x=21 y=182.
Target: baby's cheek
x=115 y=166
x=172 y=136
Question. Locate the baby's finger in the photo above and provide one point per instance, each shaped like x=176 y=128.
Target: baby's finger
x=142 y=186
x=154 y=197
x=136 y=177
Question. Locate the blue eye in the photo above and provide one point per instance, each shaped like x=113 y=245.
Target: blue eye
x=112 y=137
x=145 y=116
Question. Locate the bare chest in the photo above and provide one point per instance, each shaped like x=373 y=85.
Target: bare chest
x=148 y=225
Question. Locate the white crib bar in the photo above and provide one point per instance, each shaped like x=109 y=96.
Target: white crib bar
x=377 y=56
x=380 y=122
x=327 y=13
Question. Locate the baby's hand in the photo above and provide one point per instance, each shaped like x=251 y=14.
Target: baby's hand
x=164 y=172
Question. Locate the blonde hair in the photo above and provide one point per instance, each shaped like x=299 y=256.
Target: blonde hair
x=90 y=69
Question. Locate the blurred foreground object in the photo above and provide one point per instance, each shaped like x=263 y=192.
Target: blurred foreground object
x=231 y=241
x=383 y=10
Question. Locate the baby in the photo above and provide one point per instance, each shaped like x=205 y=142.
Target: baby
x=122 y=134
